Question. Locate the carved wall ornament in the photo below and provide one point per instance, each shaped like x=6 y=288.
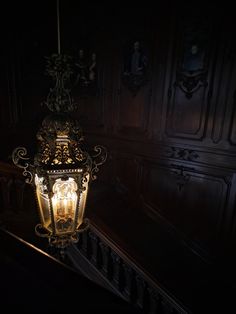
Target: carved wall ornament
x=190 y=82
x=181 y=177
x=192 y=68
x=181 y=153
x=135 y=65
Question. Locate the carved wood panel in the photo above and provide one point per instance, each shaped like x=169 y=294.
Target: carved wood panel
x=188 y=92
x=4 y=100
x=91 y=112
x=127 y=174
x=10 y=107
x=132 y=112
x=231 y=92
x=132 y=82
x=93 y=99
x=192 y=201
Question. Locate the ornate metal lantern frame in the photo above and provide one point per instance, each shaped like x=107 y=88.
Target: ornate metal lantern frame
x=61 y=170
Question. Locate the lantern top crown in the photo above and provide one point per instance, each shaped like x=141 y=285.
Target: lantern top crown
x=59 y=139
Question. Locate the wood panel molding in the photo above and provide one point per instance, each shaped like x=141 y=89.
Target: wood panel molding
x=193 y=201
x=188 y=93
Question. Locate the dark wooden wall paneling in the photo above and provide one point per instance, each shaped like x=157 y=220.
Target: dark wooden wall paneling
x=171 y=143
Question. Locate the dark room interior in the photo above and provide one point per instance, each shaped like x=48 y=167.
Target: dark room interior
x=153 y=83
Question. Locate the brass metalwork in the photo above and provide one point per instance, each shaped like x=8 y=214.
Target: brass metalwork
x=60 y=156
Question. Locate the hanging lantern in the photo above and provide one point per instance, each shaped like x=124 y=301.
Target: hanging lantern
x=61 y=170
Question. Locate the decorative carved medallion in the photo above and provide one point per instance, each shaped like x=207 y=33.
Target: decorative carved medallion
x=189 y=83
x=181 y=153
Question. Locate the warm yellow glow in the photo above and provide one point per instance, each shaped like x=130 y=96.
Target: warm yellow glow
x=83 y=198
x=64 y=203
x=43 y=201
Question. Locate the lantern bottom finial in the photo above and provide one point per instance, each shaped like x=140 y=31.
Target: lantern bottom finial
x=64 y=240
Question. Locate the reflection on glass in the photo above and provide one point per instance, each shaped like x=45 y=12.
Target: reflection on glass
x=43 y=200
x=64 y=202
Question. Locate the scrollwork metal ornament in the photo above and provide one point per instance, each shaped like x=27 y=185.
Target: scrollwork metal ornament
x=61 y=169
x=60 y=69
x=18 y=154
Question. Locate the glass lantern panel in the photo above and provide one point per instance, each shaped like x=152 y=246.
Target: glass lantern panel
x=83 y=198
x=64 y=205
x=43 y=202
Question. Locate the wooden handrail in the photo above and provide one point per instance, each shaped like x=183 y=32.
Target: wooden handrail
x=10 y=169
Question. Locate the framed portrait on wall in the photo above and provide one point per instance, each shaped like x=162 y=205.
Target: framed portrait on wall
x=135 y=66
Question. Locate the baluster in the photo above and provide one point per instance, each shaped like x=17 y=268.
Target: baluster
x=166 y=307
x=155 y=301
x=129 y=276
x=116 y=261
x=84 y=245
x=2 y=207
x=9 y=193
x=94 y=248
x=6 y=185
x=20 y=189
x=105 y=258
x=79 y=244
x=141 y=287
